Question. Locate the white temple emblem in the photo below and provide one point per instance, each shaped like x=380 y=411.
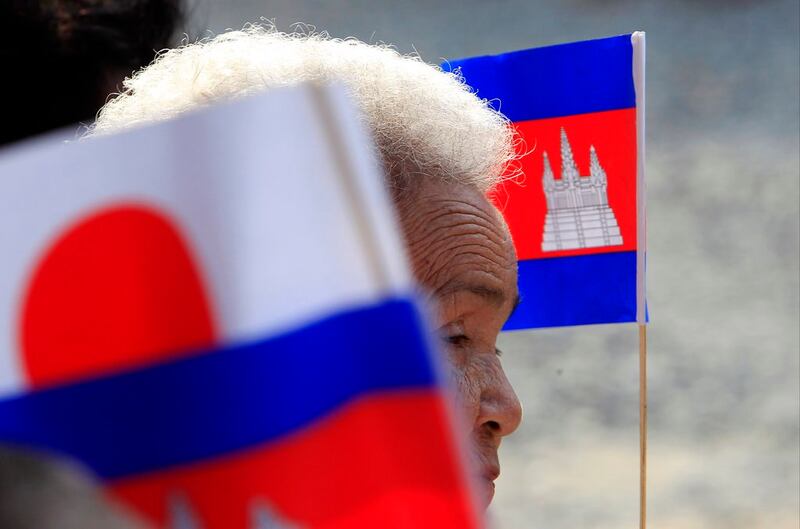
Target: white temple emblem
x=263 y=517
x=182 y=516
x=578 y=214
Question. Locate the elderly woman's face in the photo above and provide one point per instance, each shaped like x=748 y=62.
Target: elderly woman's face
x=463 y=255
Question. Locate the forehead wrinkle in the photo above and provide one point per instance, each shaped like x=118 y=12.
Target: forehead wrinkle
x=459 y=207
x=433 y=226
x=455 y=221
x=438 y=242
x=446 y=206
x=494 y=295
x=450 y=251
x=454 y=234
x=458 y=241
x=425 y=223
x=493 y=228
x=439 y=277
x=449 y=254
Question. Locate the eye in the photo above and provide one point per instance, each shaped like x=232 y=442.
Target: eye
x=459 y=340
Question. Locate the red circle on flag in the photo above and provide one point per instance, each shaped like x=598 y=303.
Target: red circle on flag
x=119 y=289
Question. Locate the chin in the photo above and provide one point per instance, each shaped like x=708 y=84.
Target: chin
x=487 y=492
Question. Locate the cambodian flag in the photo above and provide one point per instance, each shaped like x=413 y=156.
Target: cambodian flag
x=577 y=213
x=215 y=315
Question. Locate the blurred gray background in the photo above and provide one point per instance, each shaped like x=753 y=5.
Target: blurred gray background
x=723 y=195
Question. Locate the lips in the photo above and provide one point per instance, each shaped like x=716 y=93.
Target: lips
x=485 y=464
x=486 y=486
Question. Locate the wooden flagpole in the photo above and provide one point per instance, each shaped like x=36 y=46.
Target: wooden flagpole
x=642 y=426
x=638 y=43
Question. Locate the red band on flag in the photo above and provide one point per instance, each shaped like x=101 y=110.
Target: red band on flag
x=613 y=135
x=383 y=461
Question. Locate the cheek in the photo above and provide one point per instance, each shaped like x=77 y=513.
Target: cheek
x=470 y=375
x=467 y=388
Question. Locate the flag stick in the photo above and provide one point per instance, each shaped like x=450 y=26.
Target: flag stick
x=642 y=426
x=638 y=42
x=344 y=160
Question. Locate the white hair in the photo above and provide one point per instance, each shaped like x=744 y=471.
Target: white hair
x=424 y=120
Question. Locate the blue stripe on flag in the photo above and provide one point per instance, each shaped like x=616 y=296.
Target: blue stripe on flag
x=579 y=290
x=230 y=399
x=562 y=80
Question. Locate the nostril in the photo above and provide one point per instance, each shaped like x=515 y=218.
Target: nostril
x=493 y=425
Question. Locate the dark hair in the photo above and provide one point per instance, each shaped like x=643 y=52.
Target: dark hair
x=62 y=58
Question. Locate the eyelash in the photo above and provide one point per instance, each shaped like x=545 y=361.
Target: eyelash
x=460 y=340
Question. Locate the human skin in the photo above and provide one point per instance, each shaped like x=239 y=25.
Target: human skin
x=463 y=257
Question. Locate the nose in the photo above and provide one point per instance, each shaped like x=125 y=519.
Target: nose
x=500 y=409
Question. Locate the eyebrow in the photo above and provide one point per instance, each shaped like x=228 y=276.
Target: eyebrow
x=493 y=295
